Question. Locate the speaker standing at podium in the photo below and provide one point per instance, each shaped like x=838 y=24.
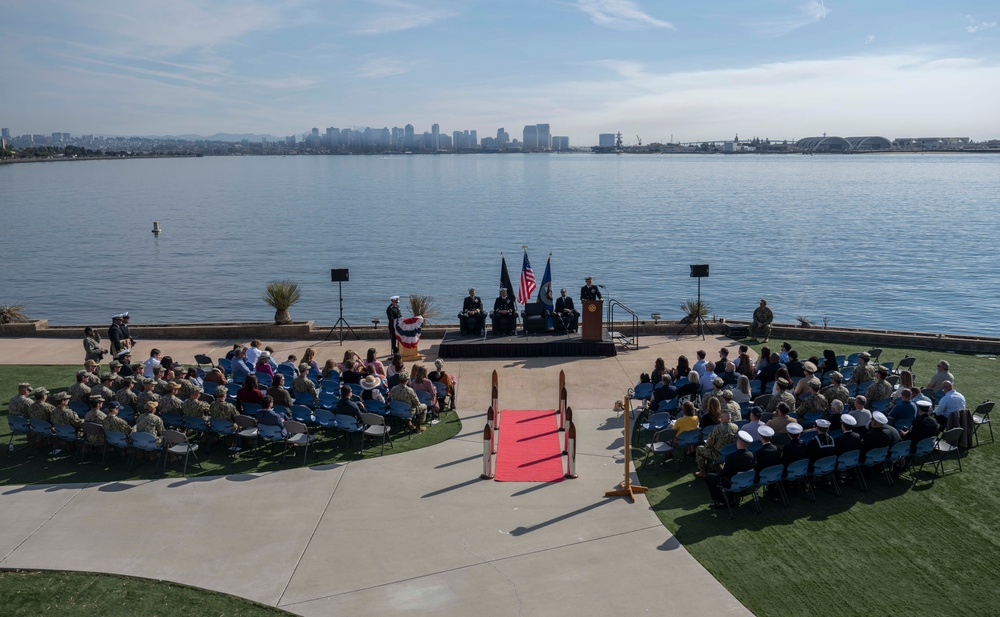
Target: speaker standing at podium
x=590 y=291
x=393 y=313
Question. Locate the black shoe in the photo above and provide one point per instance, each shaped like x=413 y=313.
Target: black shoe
x=718 y=505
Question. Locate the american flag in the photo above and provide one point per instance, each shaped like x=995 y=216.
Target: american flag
x=527 y=286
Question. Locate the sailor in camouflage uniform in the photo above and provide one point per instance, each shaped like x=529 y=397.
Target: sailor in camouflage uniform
x=864 y=371
x=62 y=414
x=783 y=396
x=117 y=379
x=194 y=407
x=126 y=395
x=881 y=389
x=96 y=416
x=147 y=395
x=41 y=409
x=160 y=384
x=721 y=436
x=19 y=405
x=169 y=402
x=803 y=389
x=731 y=406
x=104 y=389
x=302 y=383
x=762 y=318
x=112 y=423
x=221 y=409
x=149 y=422
x=79 y=391
x=836 y=390
x=813 y=403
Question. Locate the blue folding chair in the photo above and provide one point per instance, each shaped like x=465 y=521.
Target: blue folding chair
x=271 y=434
x=145 y=442
x=772 y=476
x=66 y=434
x=755 y=387
x=876 y=459
x=881 y=405
x=210 y=387
x=823 y=468
x=330 y=385
x=327 y=400
x=851 y=461
x=852 y=360
x=172 y=420
x=251 y=409
x=656 y=422
x=326 y=420
x=79 y=407
x=741 y=483
x=349 y=426
x=264 y=380
x=796 y=470
x=18 y=426
x=115 y=440
x=225 y=365
x=305 y=398
x=41 y=429
x=684 y=440
x=301 y=413
x=376 y=407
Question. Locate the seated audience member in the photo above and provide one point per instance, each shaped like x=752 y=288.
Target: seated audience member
x=924 y=425
x=720 y=437
x=420 y=382
x=112 y=423
x=329 y=370
x=169 y=401
x=221 y=409
x=741 y=460
x=862 y=415
x=742 y=393
x=794 y=450
x=768 y=454
x=216 y=376
x=904 y=412
x=881 y=389
x=864 y=371
x=729 y=375
x=794 y=365
x=701 y=364
x=403 y=392
x=813 y=403
x=18 y=406
x=781 y=419
x=769 y=372
x=239 y=367
x=905 y=383
x=753 y=426
x=439 y=375
x=942 y=375
x=835 y=415
x=782 y=396
x=659 y=370
x=150 y=422
x=278 y=393
x=664 y=391
x=836 y=390
x=267 y=416
x=712 y=415
x=302 y=383
x=880 y=435
x=822 y=445
x=950 y=403
x=744 y=363
x=849 y=440
x=683 y=368
x=369 y=388
x=309 y=359
x=253 y=352
x=194 y=407
x=291 y=365
x=731 y=406
x=784 y=353
x=79 y=391
x=250 y=392
x=829 y=362
x=264 y=364
x=372 y=360
x=804 y=387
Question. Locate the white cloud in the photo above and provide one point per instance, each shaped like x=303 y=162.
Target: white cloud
x=377 y=68
x=804 y=14
x=620 y=14
x=869 y=39
x=978 y=26
x=396 y=16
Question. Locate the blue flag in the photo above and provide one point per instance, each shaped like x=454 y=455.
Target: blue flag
x=545 y=290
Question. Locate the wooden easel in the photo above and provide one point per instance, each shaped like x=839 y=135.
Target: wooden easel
x=626 y=488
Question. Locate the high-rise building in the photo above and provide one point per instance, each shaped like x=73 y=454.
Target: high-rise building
x=606 y=140
x=530 y=137
x=560 y=144
x=5 y=133
x=502 y=137
x=544 y=137
x=435 y=137
x=409 y=139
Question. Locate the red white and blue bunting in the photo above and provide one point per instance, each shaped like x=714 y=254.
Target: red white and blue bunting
x=408 y=330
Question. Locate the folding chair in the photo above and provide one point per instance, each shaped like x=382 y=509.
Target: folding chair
x=175 y=443
x=298 y=437
x=851 y=461
x=822 y=468
x=980 y=417
x=741 y=482
x=375 y=427
x=944 y=446
x=772 y=476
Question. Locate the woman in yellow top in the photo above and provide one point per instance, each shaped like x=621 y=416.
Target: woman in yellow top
x=688 y=421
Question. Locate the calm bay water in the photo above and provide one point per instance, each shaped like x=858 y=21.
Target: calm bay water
x=886 y=241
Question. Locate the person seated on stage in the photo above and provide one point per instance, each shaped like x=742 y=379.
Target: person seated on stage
x=504 y=315
x=567 y=318
x=590 y=291
x=762 y=318
x=472 y=319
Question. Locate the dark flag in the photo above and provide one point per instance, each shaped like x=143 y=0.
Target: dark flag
x=505 y=277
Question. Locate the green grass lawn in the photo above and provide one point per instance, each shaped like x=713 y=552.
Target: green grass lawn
x=927 y=550
x=77 y=593
x=24 y=467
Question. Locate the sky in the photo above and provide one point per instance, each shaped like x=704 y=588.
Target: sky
x=654 y=70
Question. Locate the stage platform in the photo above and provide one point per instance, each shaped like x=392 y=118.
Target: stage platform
x=454 y=345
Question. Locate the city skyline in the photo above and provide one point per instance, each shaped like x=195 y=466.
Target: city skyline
x=783 y=68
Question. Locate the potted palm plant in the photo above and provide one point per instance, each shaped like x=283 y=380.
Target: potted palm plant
x=692 y=309
x=281 y=295
x=423 y=306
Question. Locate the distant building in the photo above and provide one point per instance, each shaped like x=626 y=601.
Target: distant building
x=503 y=137
x=530 y=137
x=290 y=140
x=544 y=136
x=606 y=140
x=931 y=143
x=560 y=143
x=5 y=133
x=435 y=137
x=823 y=144
x=869 y=143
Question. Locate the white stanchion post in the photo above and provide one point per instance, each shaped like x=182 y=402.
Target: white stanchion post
x=496 y=410
x=487 y=453
x=562 y=410
x=571 y=454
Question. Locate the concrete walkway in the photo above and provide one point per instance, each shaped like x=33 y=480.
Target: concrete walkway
x=415 y=533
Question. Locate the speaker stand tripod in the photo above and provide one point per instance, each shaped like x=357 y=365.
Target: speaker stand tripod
x=702 y=326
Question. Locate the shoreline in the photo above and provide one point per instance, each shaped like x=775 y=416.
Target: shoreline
x=309 y=330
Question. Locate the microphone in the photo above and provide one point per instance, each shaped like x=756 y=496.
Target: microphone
x=603 y=287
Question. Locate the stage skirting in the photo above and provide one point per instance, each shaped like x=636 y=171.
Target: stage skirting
x=454 y=345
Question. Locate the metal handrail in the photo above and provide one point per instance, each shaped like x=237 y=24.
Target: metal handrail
x=634 y=338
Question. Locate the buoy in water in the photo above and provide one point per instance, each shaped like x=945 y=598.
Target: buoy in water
x=156 y=228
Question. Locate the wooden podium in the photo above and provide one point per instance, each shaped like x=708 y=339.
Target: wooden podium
x=593 y=329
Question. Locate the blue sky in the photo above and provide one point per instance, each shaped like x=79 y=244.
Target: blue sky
x=784 y=69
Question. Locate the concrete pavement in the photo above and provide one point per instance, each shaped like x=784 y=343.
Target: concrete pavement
x=415 y=533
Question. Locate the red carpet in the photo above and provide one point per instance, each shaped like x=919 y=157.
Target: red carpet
x=530 y=446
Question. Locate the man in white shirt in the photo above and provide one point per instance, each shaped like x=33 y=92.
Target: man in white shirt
x=152 y=362
x=951 y=402
x=253 y=352
x=707 y=378
x=700 y=364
